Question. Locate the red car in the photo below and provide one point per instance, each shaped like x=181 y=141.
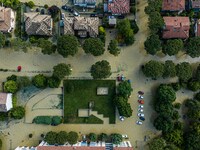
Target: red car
x=141 y=101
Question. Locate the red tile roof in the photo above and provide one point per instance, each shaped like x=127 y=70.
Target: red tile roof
x=119 y=6
x=122 y=148
x=176 y=27
x=173 y=5
x=195 y=4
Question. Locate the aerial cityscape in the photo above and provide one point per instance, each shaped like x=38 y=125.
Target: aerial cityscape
x=100 y=75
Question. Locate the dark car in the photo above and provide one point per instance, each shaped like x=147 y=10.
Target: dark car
x=65 y=7
x=142 y=118
x=121 y=17
x=93 y=15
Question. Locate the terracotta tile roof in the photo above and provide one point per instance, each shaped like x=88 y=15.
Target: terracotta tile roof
x=122 y=148
x=82 y=25
x=36 y=24
x=176 y=27
x=173 y=5
x=69 y=148
x=195 y=3
x=119 y=6
x=6 y=19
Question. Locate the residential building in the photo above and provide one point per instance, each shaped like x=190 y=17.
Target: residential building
x=195 y=5
x=81 y=26
x=173 y=5
x=25 y=148
x=176 y=27
x=36 y=24
x=7 y=19
x=85 y=3
x=117 y=7
x=5 y=102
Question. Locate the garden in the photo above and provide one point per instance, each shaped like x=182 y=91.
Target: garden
x=79 y=93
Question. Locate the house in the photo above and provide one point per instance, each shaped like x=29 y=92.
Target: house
x=85 y=3
x=117 y=7
x=173 y=5
x=25 y=148
x=81 y=26
x=176 y=27
x=36 y=24
x=7 y=19
x=5 y=102
x=195 y=5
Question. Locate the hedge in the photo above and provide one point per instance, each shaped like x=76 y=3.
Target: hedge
x=53 y=120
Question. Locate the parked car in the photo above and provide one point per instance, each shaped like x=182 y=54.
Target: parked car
x=140 y=92
x=140 y=115
x=62 y=16
x=76 y=13
x=70 y=10
x=124 y=136
x=142 y=118
x=140 y=96
x=141 y=101
x=93 y=15
x=121 y=118
x=139 y=122
x=65 y=7
x=140 y=110
x=141 y=106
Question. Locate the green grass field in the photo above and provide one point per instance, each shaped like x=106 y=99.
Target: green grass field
x=78 y=94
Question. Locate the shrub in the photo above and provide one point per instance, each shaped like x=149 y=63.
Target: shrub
x=14 y=101
x=56 y=120
x=177 y=105
x=46 y=6
x=176 y=86
x=40 y=81
x=11 y=86
x=17 y=112
x=42 y=120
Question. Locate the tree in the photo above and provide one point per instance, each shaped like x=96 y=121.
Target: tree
x=93 y=46
x=197 y=96
x=54 y=10
x=61 y=137
x=152 y=44
x=176 y=86
x=172 y=47
x=17 y=112
x=12 y=77
x=53 y=82
x=40 y=81
x=164 y=108
x=175 y=115
x=92 y=137
x=19 y=44
x=133 y=9
x=193 y=47
x=113 y=49
x=46 y=6
x=23 y=81
x=124 y=89
x=157 y=144
x=164 y=123
x=103 y=137
x=171 y=147
x=61 y=70
x=46 y=46
x=166 y=93
x=192 y=140
x=124 y=29
x=169 y=69
x=193 y=85
x=30 y=4
x=184 y=71
x=134 y=26
x=72 y=137
x=153 y=69
x=156 y=21
x=67 y=45
x=2 y=40
x=10 y=86
x=101 y=70
x=197 y=74
x=193 y=109
x=116 y=138
x=153 y=5
x=50 y=137
x=56 y=120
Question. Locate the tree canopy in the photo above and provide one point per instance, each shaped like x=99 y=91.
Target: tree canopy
x=172 y=47
x=164 y=123
x=153 y=69
x=125 y=30
x=61 y=70
x=113 y=48
x=156 y=21
x=193 y=47
x=101 y=70
x=93 y=46
x=11 y=86
x=166 y=93
x=124 y=89
x=40 y=81
x=54 y=10
x=67 y=45
x=50 y=137
x=184 y=71
x=153 y=5
x=72 y=137
x=46 y=46
x=17 y=112
x=175 y=137
x=157 y=144
x=169 y=69
x=116 y=138
x=92 y=137
x=2 y=40
x=152 y=44
x=61 y=137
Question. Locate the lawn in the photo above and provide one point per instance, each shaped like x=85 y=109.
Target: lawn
x=78 y=94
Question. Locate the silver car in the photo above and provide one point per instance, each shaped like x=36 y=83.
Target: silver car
x=140 y=115
x=139 y=122
x=140 y=110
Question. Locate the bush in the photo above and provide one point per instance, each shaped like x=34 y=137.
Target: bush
x=12 y=77
x=53 y=82
x=3 y=116
x=14 y=101
x=42 y=120
x=176 y=86
x=56 y=120
x=17 y=112
x=11 y=86
x=40 y=81
x=177 y=105
x=46 y=6
x=175 y=115
x=30 y=4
